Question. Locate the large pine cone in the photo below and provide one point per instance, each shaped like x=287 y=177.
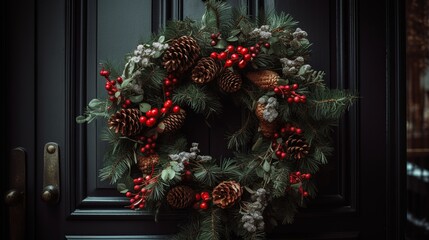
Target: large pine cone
x=267 y=129
x=180 y=197
x=265 y=79
x=172 y=122
x=297 y=147
x=126 y=122
x=181 y=55
x=226 y=194
x=229 y=81
x=206 y=70
x=146 y=163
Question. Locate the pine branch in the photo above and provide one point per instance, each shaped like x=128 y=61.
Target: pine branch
x=115 y=170
x=217 y=15
x=330 y=104
x=241 y=138
x=211 y=226
x=207 y=174
x=198 y=99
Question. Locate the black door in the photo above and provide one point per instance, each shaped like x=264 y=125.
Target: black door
x=53 y=53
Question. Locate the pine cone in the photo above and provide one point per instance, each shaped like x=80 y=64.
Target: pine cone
x=181 y=55
x=172 y=122
x=297 y=146
x=145 y=163
x=226 y=194
x=267 y=129
x=265 y=79
x=206 y=70
x=229 y=81
x=126 y=121
x=180 y=197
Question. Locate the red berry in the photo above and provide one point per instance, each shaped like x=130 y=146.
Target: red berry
x=290 y=100
x=137 y=187
x=228 y=63
x=277 y=90
x=213 y=43
x=131 y=201
x=114 y=89
x=120 y=80
x=149 y=140
x=298 y=131
x=213 y=36
x=294 y=86
x=155 y=112
x=176 y=109
x=108 y=86
x=303 y=98
x=247 y=57
x=164 y=110
x=142 y=138
x=104 y=73
x=112 y=98
x=222 y=55
x=244 y=51
x=205 y=196
x=203 y=205
x=242 y=63
x=148 y=177
x=188 y=173
x=213 y=55
x=308 y=176
x=141 y=205
x=257 y=46
x=144 y=190
x=174 y=80
x=253 y=55
x=283 y=130
x=153 y=145
x=167 y=94
x=197 y=197
x=298 y=173
x=136 y=181
x=142 y=119
x=297 y=99
x=168 y=103
x=128 y=194
x=287 y=88
x=230 y=48
x=110 y=93
x=142 y=150
x=124 y=105
x=292 y=129
x=128 y=101
x=283 y=155
x=234 y=57
x=305 y=194
x=139 y=180
x=113 y=82
x=154 y=137
x=239 y=48
x=252 y=49
x=150 y=122
x=267 y=45
x=167 y=82
x=147 y=146
x=278 y=153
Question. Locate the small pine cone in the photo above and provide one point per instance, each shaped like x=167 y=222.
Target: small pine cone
x=259 y=111
x=206 y=70
x=146 y=163
x=229 y=81
x=226 y=194
x=172 y=122
x=181 y=55
x=265 y=79
x=126 y=122
x=267 y=129
x=297 y=147
x=180 y=197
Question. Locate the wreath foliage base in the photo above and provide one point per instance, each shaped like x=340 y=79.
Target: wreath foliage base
x=262 y=64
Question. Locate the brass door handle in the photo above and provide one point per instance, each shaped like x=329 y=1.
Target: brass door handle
x=51 y=174
x=13 y=197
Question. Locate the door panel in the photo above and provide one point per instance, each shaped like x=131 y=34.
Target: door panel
x=74 y=36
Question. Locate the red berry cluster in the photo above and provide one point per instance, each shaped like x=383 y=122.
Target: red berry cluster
x=215 y=38
x=111 y=85
x=169 y=82
x=138 y=199
x=284 y=133
x=202 y=200
x=289 y=92
x=148 y=144
x=297 y=177
x=151 y=117
x=232 y=55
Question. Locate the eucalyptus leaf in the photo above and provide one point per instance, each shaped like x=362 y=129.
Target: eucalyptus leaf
x=136 y=99
x=161 y=39
x=232 y=39
x=122 y=187
x=235 y=32
x=126 y=82
x=81 y=119
x=257 y=144
x=266 y=166
x=164 y=175
x=117 y=94
x=95 y=103
x=175 y=166
x=144 y=107
x=221 y=44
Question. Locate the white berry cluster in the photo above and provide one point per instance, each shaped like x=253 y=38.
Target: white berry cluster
x=193 y=154
x=299 y=34
x=263 y=31
x=299 y=38
x=291 y=67
x=144 y=53
x=270 y=112
x=252 y=216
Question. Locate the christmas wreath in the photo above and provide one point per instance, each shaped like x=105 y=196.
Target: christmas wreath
x=262 y=65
